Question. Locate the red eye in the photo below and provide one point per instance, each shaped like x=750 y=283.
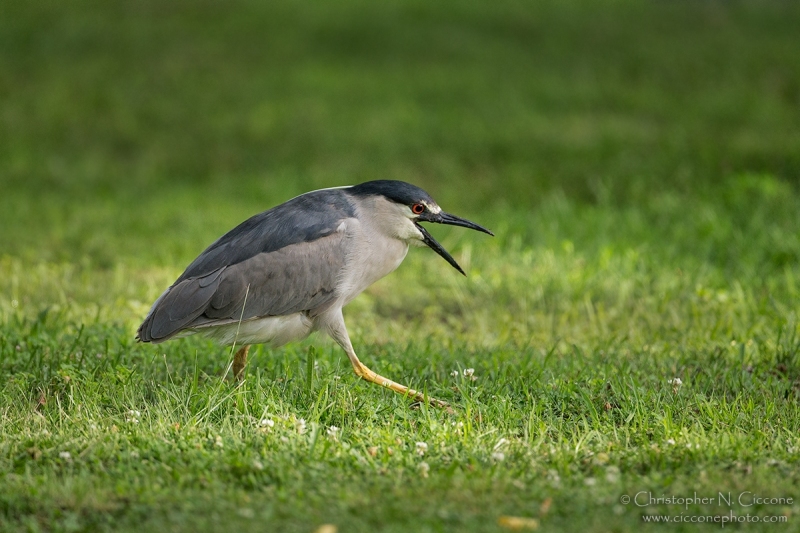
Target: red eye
x=417 y=209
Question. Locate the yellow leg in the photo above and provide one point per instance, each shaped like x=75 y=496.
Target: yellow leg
x=365 y=373
x=337 y=330
x=239 y=362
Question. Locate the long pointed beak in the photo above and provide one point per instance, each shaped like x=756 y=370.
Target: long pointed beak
x=451 y=220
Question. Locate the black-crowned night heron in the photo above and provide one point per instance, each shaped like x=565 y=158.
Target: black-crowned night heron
x=287 y=272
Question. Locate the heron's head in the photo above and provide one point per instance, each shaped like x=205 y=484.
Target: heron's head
x=411 y=206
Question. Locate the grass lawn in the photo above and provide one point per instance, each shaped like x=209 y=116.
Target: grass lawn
x=630 y=333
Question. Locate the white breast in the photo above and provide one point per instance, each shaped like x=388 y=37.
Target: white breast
x=377 y=245
x=373 y=257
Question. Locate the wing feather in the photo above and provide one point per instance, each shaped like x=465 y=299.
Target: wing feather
x=179 y=305
x=281 y=261
x=296 y=278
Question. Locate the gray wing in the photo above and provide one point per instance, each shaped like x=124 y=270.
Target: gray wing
x=298 y=277
x=283 y=261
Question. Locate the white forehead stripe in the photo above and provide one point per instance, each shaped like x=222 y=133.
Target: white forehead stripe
x=435 y=209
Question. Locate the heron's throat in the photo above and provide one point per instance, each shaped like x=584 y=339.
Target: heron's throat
x=418 y=237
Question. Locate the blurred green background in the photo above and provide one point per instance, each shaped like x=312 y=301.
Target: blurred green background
x=128 y=123
x=639 y=162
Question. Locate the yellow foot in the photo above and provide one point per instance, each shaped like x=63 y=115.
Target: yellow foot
x=435 y=403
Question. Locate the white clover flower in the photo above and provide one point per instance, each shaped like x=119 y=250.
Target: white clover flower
x=267 y=422
x=502 y=442
x=671 y=442
x=333 y=432
x=612 y=474
x=424 y=468
x=422 y=447
x=65 y=455
x=454 y=373
x=300 y=425
x=498 y=456
x=468 y=372
x=676 y=384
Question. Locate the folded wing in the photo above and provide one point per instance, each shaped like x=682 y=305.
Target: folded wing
x=274 y=264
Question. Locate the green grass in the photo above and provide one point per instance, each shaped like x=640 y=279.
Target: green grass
x=639 y=163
